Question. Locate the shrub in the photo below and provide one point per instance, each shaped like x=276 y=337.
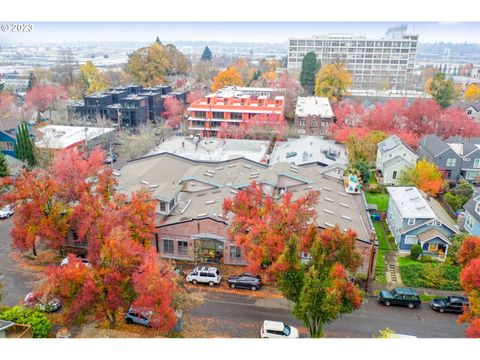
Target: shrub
x=453 y=200
x=41 y=327
x=412 y=274
x=427 y=259
x=415 y=251
x=433 y=276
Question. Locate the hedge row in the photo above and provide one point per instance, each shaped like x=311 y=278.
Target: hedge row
x=39 y=323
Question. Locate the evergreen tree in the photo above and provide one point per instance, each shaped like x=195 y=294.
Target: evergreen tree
x=442 y=90
x=207 y=54
x=157 y=40
x=4 y=172
x=310 y=67
x=24 y=145
x=31 y=80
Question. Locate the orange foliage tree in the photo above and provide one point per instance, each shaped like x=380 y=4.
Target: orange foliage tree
x=229 y=77
x=262 y=226
x=77 y=193
x=426 y=176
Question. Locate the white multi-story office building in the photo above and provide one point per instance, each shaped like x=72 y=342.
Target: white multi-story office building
x=385 y=63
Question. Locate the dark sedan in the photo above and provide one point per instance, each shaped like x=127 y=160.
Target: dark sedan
x=245 y=281
x=454 y=304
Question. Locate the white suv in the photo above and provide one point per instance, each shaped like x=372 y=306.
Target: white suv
x=205 y=274
x=277 y=330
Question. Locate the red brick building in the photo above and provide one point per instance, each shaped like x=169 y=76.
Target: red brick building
x=313 y=115
x=233 y=107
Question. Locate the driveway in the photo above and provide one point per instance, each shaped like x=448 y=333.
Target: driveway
x=233 y=315
x=16 y=282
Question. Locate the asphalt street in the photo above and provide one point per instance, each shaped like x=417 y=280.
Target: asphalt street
x=233 y=315
x=16 y=283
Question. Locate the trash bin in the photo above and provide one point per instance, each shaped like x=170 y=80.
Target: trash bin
x=179 y=325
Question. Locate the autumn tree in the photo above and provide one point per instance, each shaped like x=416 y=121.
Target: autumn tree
x=292 y=90
x=442 y=90
x=469 y=257
x=6 y=105
x=229 y=77
x=425 y=176
x=91 y=79
x=263 y=226
x=472 y=93
x=320 y=290
x=333 y=81
x=149 y=65
x=44 y=97
x=173 y=112
x=310 y=66
x=178 y=63
x=194 y=95
x=206 y=55
x=422 y=116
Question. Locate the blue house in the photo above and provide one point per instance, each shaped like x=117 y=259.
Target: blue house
x=415 y=218
x=472 y=215
x=7 y=143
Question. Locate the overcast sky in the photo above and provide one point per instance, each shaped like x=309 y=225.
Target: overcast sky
x=234 y=32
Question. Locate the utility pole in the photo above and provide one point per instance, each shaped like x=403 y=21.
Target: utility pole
x=373 y=238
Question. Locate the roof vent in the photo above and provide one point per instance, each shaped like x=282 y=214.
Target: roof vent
x=329 y=224
x=328 y=211
x=209 y=202
x=326 y=188
x=145 y=182
x=202 y=215
x=328 y=199
x=346 y=217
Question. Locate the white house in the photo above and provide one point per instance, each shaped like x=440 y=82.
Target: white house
x=393 y=157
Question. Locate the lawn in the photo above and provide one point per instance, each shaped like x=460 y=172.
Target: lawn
x=373 y=179
x=381 y=200
x=383 y=248
x=433 y=275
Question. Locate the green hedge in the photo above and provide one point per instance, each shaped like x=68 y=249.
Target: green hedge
x=41 y=327
x=429 y=275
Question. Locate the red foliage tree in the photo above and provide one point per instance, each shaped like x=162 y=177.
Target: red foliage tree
x=262 y=226
x=292 y=90
x=173 y=112
x=6 y=103
x=154 y=292
x=423 y=116
x=43 y=97
x=469 y=250
x=194 y=95
x=470 y=280
x=456 y=122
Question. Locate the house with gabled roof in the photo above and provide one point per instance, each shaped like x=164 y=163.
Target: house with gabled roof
x=415 y=218
x=447 y=157
x=393 y=158
x=472 y=215
x=191 y=224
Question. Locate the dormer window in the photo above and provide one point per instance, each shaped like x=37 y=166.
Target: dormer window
x=411 y=221
x=477 y=208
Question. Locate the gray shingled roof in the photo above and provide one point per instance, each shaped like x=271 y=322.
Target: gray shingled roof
x=470 y=207
x=433 y=144
x=466 y=104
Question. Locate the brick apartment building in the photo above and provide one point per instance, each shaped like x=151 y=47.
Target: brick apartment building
x=313 y=115
x=233 y=106
x=189 y=198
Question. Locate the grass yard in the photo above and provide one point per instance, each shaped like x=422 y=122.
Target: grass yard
x=381 y=200
x=373 y=179
x=383 y=248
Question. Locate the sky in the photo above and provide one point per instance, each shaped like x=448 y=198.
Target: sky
x=273 y=32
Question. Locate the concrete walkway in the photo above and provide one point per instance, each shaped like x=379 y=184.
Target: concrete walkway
x=392 y=270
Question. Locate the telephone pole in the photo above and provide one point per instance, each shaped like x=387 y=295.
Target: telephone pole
x=373 y=238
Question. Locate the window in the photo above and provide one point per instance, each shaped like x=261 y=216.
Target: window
x=469 y=221
x=217 y=115
x=411 y=221
x=235 y=252
x=451 y=161
x=471 y=175
x=171 y=205
x=469 y=112
x=6 y=145
x=477 y=208
x=183 y=247
x=301 y=122
x=163 y=206
x=411 y=240
x=394 y=176
x=168 y=246
x=476 y=163
x=236 y=116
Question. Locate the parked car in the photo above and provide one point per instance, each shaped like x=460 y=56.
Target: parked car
x=81 y=257
x=6 y=212
x=111 y=159
x=205 y=274
x=454 y=304
x=245 y=281
x=278 y=330
x=138 y=316
x=400 y=296
x=44 y=305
